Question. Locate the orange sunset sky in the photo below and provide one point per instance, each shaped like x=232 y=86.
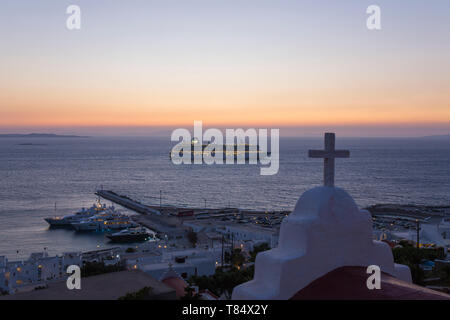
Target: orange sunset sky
x=289 y=64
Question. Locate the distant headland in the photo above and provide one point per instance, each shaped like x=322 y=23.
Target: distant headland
x=40 y=135
x=439 y=137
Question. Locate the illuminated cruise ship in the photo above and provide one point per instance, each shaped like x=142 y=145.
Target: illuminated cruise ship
x=243 y=150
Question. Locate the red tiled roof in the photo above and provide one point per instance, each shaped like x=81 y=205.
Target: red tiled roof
x=390 y=243
x=206 y=291
x=349 y=283
x=176 y=283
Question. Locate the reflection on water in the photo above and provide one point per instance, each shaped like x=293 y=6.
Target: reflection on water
x=68 y=171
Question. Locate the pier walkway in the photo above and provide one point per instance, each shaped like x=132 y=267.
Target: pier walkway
x=151 y=218
x=126 y=202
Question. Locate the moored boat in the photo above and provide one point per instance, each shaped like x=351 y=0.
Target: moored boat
x=107 y=221
x=130 y=235
x=67 y=220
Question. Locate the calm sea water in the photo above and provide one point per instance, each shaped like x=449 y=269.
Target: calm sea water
x=69 y=171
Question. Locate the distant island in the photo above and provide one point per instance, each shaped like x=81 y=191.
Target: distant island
x=439 y=137
x=40 y=135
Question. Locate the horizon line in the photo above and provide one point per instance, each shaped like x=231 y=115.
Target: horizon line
x=161 y=135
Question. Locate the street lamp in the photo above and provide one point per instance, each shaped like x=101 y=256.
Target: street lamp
x=417 y=230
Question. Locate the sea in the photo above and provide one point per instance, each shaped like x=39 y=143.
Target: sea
x=37 y=173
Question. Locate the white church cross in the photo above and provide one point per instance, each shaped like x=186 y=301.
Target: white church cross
x=329 y=154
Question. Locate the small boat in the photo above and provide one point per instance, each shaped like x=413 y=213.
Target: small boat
x=130 y=235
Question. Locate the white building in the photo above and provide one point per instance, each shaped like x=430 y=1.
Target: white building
x=185 y=262
x=241 y=234
x=326 y=231
x=35 y=271
x=190 y=267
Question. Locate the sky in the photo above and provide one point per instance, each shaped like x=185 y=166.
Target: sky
x=140 y=67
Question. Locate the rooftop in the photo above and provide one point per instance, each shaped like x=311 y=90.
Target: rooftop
x=108 y=286
x=349 y=283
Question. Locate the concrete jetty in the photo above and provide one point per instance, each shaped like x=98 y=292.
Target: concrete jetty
x=151 y=218
x=126 y=202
